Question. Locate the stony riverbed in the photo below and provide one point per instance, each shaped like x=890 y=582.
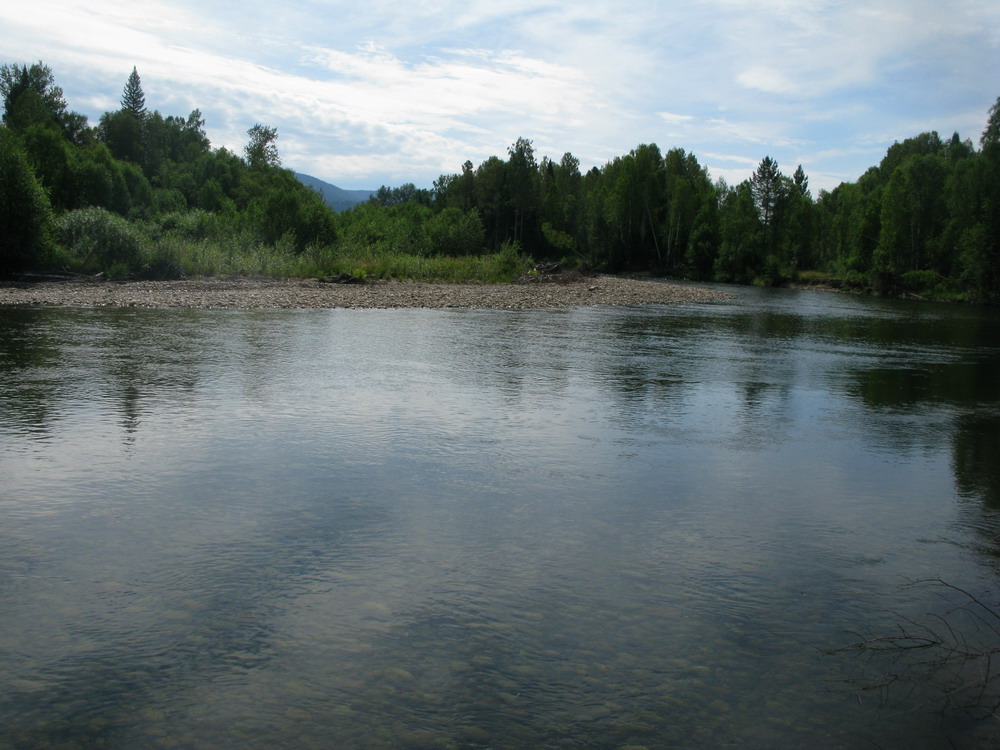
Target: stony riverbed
x=312 y=293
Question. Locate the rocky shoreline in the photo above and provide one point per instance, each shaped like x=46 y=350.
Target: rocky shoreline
x=247 y=293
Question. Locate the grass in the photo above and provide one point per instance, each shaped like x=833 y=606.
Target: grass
x=172 y=256
x=200 y=244
x=819 y=277
x=495 y=268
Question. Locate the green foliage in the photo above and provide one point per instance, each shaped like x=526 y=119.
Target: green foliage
x=285 y=208
x=561 y=242
x=386 y=196
x=511 y=260
x=991 y=134
x=690 y=216
x=55 y=163
x=168 y=200
x=703 y=243
x=164 y=260
x=95 y=177
x=766 y=188
x=30 y=96
x=26 y=109
x=262 y=151
x=921 y=282
x=522 y=189
x=172 y=141
x=740 y=255
x=634 y=208
x=195 y=224
x=396 y=229
x=454 y=232
x=561 y=196
x=95 y=237
x=912 y=217
x=123 y=133
x=238 y=253
x=145 y=194
x=503 y=267
x=25 y=214
x=133 y=98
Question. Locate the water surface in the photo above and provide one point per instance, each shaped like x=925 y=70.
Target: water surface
x=597 y=527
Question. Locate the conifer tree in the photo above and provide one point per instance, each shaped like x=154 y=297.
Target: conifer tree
x=133 y=98
x=765 y=185
x=801 y=182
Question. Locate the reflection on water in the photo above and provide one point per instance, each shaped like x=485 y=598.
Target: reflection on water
x=470 y=529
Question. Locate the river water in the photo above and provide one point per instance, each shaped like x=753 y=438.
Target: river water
x=593 y=528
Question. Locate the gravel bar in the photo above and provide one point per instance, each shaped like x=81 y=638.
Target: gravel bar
x=248 y=293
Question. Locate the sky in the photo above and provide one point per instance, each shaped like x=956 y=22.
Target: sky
x=373 y=92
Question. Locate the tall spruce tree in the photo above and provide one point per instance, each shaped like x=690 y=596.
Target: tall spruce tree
x=133 y=98
x=765 y=186
x=801 y=182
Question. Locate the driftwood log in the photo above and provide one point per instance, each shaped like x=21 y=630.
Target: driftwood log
x=341 y=278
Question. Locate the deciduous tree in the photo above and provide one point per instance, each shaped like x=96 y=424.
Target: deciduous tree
x=25 y=215
x=522 y=186
x=991 y=135
x=16 y=79
x=262 y=151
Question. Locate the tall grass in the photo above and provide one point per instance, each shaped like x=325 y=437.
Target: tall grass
x=203 y=244
x=502 y=267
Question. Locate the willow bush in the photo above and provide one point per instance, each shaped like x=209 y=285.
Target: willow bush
x=97 y=238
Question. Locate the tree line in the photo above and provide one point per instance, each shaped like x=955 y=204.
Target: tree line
x=925 y=220
x=142 y=193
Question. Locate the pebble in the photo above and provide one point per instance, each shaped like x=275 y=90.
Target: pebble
x=248 y=293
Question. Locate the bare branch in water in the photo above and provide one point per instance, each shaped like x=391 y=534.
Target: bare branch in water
x=953 y=649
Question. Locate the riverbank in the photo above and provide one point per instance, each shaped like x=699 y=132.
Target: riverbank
x=312 y=293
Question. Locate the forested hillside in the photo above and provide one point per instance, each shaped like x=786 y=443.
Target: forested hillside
x=143 y=194
x=336 y=198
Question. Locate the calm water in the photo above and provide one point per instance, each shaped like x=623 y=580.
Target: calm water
x=589 y=528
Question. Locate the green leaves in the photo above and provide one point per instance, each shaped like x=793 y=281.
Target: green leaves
x=101 y=239
x=25 y=214
x=765 y=186
x=262 y=151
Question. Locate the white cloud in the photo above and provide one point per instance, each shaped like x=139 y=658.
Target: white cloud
x=387 y=92
x=768 y=80
x=698 y=131
x=746 y=161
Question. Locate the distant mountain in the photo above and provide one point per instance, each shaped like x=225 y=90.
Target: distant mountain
x=337 y=198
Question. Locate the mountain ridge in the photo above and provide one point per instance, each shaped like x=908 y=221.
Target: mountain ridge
x=337 y=198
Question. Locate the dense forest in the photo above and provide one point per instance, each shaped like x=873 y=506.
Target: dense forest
x=143 y=194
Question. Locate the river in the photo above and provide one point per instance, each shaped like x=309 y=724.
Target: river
x=654 y=527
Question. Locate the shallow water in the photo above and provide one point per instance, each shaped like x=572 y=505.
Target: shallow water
x=467 y=529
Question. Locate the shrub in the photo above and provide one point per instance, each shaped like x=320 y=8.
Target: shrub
x=920 y=281
x=100 y=238
x=168 y=200
x=561 y=242
x=510 y=261
x=455 y=232
x=195 y=224
x=163 y=261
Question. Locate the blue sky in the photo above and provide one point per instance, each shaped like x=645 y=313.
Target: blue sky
x=376 y=92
